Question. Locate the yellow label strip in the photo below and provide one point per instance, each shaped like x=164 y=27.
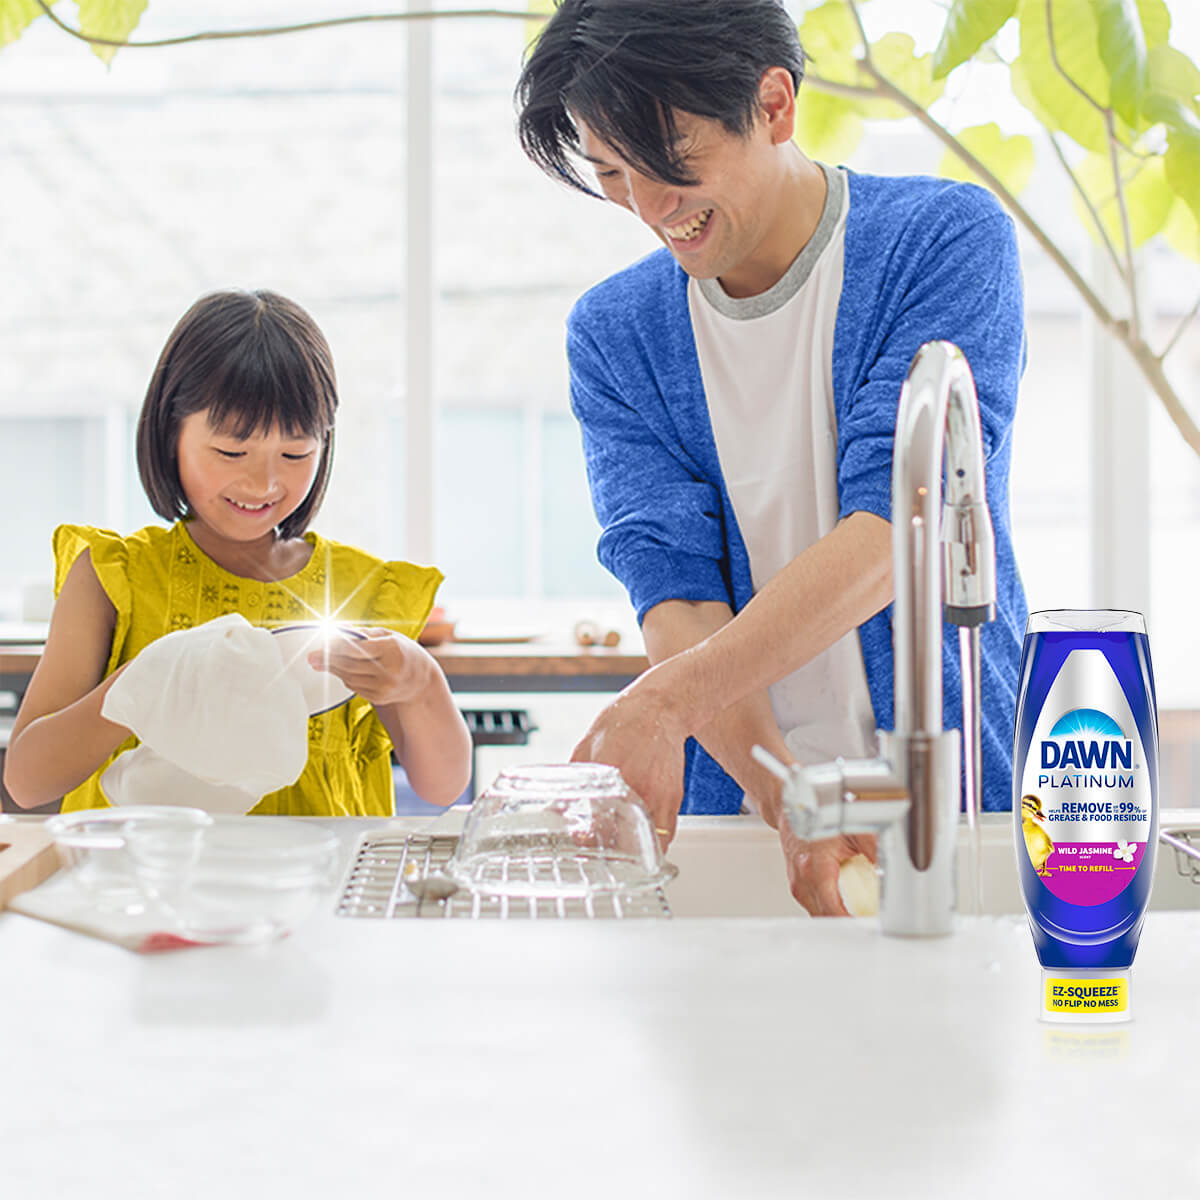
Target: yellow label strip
x=1087 y=995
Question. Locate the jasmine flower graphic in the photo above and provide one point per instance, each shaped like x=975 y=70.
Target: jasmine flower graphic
x=1124 y=851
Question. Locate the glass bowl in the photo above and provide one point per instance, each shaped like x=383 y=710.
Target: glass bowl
x=92 y=844
x=566 y=830
x=236 y=880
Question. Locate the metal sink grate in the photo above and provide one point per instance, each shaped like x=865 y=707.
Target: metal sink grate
x=375 y=888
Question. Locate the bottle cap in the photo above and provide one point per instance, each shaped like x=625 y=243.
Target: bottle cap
x=1085 y=997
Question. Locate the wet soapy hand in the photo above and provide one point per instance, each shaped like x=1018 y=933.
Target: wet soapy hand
x=816 y=869
x=633 y=735
x=382 y=667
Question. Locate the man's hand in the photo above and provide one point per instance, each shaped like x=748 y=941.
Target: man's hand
x=813 y=868
x=382 y=667
x=639 y=736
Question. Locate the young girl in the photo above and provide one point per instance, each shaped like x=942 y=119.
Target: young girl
x=234 y=445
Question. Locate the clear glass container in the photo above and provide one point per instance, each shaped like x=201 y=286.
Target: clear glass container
x=92 y=844
x=565 y=830
x=236 y=880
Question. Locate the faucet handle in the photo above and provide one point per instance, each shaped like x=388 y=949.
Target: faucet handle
x=968 y=541
x=839 y=797
x=968 y=563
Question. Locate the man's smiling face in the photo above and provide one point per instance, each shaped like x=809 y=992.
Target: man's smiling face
x=708 y=225
x=725 y=223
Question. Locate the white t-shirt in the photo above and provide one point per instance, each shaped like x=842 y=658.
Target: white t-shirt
x=767 y=366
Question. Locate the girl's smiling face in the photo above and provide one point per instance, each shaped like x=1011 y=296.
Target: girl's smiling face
x=241 y=488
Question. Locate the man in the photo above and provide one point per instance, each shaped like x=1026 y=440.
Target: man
x=737 y=396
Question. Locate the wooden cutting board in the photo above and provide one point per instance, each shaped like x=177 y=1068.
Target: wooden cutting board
x=62 y=902
x=28 y=856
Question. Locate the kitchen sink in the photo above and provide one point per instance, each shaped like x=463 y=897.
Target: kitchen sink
x=728 y=867
x=733 y=867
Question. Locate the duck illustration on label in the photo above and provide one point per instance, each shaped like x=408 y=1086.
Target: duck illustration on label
x=1037 y=839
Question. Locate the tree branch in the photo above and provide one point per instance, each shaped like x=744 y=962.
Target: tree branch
x=1131 y=280
x=1087 y=201
x=1103 y=111
x=887 y=90
x=1148 y=362
x=1059 y=67
x=1180 y=331
x=849 y=90
x=862 y=30
x=274 y=30
x=1152 y=369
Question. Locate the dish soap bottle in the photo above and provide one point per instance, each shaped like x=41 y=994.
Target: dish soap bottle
x=1085 y=804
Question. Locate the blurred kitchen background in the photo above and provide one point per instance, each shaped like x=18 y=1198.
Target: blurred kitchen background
x=372 y=174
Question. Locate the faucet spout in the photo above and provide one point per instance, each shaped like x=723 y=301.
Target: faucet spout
x=938 y=419
x=937 y=429
x=912 y=794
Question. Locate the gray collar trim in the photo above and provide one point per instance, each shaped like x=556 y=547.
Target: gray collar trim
x=794 y=278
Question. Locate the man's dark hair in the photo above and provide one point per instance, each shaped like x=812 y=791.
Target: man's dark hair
x=625 y=66
x=254 y=361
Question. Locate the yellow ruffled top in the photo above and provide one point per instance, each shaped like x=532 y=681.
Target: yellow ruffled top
x=159 y=581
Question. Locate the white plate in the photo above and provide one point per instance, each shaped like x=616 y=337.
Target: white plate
x=322 y=691
x=497 y=635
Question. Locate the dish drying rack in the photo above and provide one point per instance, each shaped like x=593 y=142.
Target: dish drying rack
x=1185 y=841
x=375 y=887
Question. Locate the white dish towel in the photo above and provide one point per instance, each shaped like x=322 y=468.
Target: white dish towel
x=221 y=720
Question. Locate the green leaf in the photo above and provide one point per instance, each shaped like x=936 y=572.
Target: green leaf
x=1156 y=22
x=1123 y=52
x=1149 y=201
x=1148 y=198
x=895 y=56
x=1010 y=159
x=827 y=127
x=969 y=24
x=15 y=18
x=115 y=19
x=1182 y=162
x=1172 y=73
x=1068 y=79
x=1182 y=231
x=1180 y=118
x=830 y=38
x=1023 y=90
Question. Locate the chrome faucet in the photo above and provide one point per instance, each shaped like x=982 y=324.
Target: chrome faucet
x=911 y=794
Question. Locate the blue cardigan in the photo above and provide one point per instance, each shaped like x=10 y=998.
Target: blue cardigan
x=924 y=259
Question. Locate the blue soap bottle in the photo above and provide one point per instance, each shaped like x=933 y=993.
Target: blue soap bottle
x=1085 y=804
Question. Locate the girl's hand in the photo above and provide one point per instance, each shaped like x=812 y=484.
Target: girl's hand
x=382 y=667
x=414 y=703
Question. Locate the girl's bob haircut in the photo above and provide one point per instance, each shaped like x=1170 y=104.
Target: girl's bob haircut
x=254 y=361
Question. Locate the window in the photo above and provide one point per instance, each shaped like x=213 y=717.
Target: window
x=286 y=164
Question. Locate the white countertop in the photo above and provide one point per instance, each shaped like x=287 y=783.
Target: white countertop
x=754 y=1057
